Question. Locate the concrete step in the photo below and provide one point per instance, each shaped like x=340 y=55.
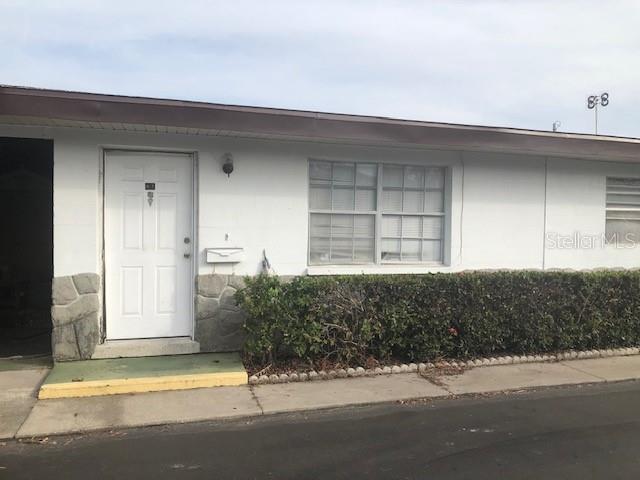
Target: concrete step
x=149 y=347
x=90 y=378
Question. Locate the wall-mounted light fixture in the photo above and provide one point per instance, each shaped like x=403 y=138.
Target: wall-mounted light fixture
x=227 y=166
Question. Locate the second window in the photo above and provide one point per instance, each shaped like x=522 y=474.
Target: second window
x=347 y=201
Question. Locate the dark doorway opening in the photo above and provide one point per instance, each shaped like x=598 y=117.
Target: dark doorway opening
x=26 y=247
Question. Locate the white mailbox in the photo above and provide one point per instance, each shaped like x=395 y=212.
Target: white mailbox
x=225 y=255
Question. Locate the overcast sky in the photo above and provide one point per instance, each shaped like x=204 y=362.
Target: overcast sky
x=508 y=63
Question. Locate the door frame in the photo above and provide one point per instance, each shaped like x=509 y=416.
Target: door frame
x=193 y=265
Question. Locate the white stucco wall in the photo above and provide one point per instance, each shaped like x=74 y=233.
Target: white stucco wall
x=263 y=205
x=576 y=196
x=76 y=205
x=503 y=219
x=500 y=207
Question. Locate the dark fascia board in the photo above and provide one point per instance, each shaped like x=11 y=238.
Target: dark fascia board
x=280 y=123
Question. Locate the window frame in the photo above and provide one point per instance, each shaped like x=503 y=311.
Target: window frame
x=609 y=209
x=379 y=213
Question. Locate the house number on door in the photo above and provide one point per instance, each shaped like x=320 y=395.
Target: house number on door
x=149 y=187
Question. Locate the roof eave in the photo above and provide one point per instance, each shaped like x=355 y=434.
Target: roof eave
x=311 y=126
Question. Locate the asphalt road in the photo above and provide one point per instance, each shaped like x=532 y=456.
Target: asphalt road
x=578 y=432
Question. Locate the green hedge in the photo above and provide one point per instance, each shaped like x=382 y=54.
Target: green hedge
x=418 y=317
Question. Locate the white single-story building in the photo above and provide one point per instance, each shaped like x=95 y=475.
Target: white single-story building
x=147 y=213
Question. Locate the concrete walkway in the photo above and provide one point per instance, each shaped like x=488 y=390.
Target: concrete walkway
x=18 y=390
x=61 y=416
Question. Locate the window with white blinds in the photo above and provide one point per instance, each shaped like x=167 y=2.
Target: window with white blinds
x=623 y=210
x=412 y=213
x=369 y=213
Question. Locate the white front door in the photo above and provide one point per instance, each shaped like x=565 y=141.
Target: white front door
x=148 y=244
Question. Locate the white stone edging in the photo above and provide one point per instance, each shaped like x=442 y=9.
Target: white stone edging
x=423 y=367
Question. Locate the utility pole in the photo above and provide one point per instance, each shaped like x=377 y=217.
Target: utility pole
x=594 y=100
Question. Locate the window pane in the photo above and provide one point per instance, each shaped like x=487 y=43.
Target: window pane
x=341 y=249
x=434 y=201
x=435 y=178
x=623 y=183
x=411 y=227
x=343 y=174
x=411 y=250
x=390 y=249
x=392 y=176
x=332 y=238
x=624 y=206
x=364 y=250
x=366 y=175
x=341 y=226
x=630 y=199
x=351 y=187
x=623 y=231
x=623 y=215
x=320 y=225
x=342 y=198
x=390 y=226
x=365 y=200
x=431 y=251
x=320 y=198
x=363 y=226
x=623 y=211
x=432 y=227
x=413 y=177
x=413 y=202
x=319 y=250
x=320 y=172
x=392 y=200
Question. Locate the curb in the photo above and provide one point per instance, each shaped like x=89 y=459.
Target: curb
x=313 y=375
x=140 y=385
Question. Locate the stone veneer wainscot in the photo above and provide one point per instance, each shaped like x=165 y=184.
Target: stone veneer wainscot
x=76 y=316
x=219 y=321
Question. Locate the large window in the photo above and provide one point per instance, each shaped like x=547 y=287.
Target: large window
x=623 y=210
x=375 y=213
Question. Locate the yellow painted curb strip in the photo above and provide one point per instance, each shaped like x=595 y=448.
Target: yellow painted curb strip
x=140 y=385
